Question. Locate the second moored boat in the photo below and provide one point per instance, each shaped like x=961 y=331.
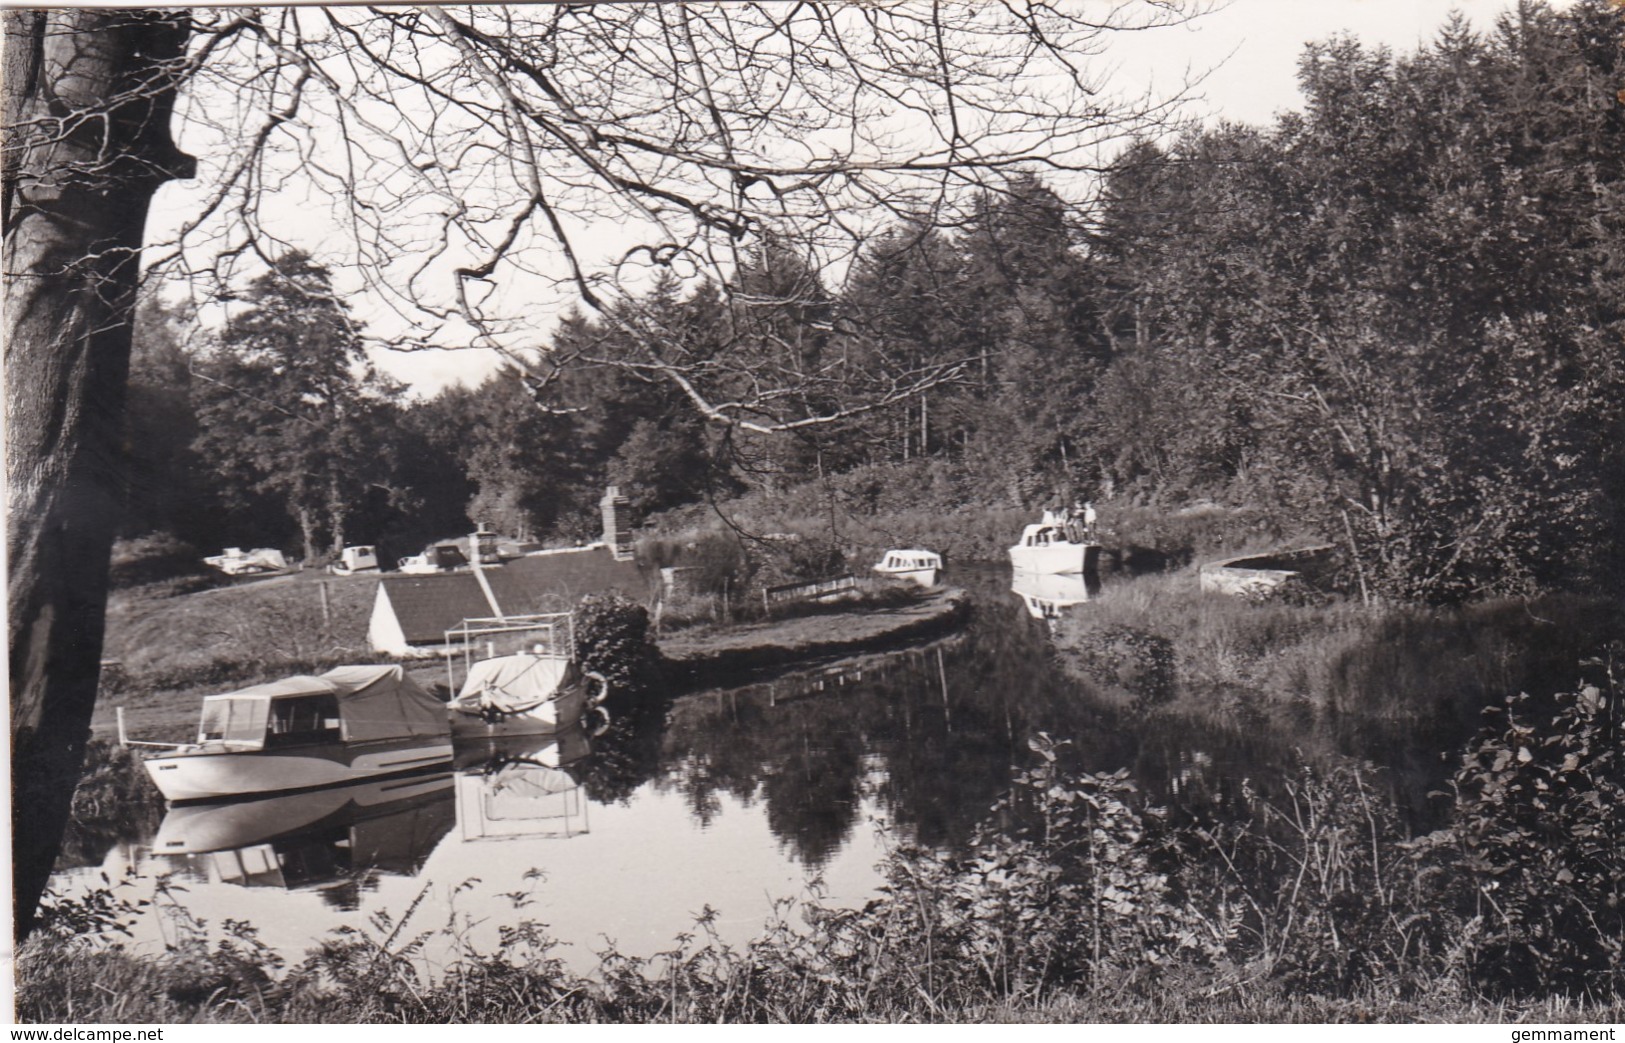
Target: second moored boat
x=539 y=690
x=916 y=566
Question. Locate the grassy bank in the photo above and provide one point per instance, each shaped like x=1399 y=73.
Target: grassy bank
x=856 y=538
x=1156 y=635
x=894 y=614
x=164 y=651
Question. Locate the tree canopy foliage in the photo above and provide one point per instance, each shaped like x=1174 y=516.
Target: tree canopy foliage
x=1403 y=304
x=288 y=409
x=1394 y=317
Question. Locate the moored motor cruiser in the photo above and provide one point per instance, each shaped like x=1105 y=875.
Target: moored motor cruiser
x=350 y=724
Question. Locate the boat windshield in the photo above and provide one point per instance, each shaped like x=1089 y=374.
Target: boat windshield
x=304 y=719
x=233 y=719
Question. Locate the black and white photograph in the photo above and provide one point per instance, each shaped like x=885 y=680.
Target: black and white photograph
x=871 y=512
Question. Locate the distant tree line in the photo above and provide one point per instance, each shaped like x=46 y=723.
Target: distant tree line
x=1396 y=317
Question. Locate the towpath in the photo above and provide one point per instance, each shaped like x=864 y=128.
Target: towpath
x=695 y=659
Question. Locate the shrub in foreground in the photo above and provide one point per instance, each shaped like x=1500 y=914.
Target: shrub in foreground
x=1535 y=848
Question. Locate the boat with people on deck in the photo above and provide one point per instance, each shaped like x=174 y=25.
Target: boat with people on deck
x=1060 y=542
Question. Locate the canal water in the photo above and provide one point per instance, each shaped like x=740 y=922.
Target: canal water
x=741 y=799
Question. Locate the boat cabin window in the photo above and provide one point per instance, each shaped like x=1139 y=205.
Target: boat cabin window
x=303 y=719
x=232 y=720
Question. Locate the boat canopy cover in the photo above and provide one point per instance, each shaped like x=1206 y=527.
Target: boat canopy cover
x=524 y=791
x=375 y=702
x=512 y=683
x=381 y=702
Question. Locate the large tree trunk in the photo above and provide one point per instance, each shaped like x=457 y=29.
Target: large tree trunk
x=76 y=193
x=336 y=511
x=307 y=529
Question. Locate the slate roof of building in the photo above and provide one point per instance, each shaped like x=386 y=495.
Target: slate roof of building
x=427 y=606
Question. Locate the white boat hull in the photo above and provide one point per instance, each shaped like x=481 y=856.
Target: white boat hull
x=195 y=773
x=202 y=828
x=565 y=710
x=1057 y=558
x=913 y=564
x=924 y=577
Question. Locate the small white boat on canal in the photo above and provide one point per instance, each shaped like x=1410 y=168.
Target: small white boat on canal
x=916 y=566
x=351 y=724
x=538 y=691
x=1053 y=546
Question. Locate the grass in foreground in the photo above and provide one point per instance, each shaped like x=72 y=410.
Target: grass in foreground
x=112 y=987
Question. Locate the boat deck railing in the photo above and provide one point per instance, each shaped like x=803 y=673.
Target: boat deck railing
x=546 y=634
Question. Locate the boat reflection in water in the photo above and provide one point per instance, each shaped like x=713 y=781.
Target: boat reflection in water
x=1047 y=594
x=302 y=840
x=522 y=787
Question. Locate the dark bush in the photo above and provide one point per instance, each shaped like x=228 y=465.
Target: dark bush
x=1535 y=845
x=113 y=802
x=712 y=562
x=612 y=638
x=158 y=558
x=1142 y=663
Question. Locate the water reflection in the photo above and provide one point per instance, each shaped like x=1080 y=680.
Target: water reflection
x=735 y=797
x=928 y=734
x=306 y=840
x=1046 y=595
x=522 y=788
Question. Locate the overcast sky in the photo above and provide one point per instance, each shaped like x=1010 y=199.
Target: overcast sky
x=1262 y=40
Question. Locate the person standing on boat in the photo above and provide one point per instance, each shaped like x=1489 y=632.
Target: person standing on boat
x=1080 y=522
x=1074 y=522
